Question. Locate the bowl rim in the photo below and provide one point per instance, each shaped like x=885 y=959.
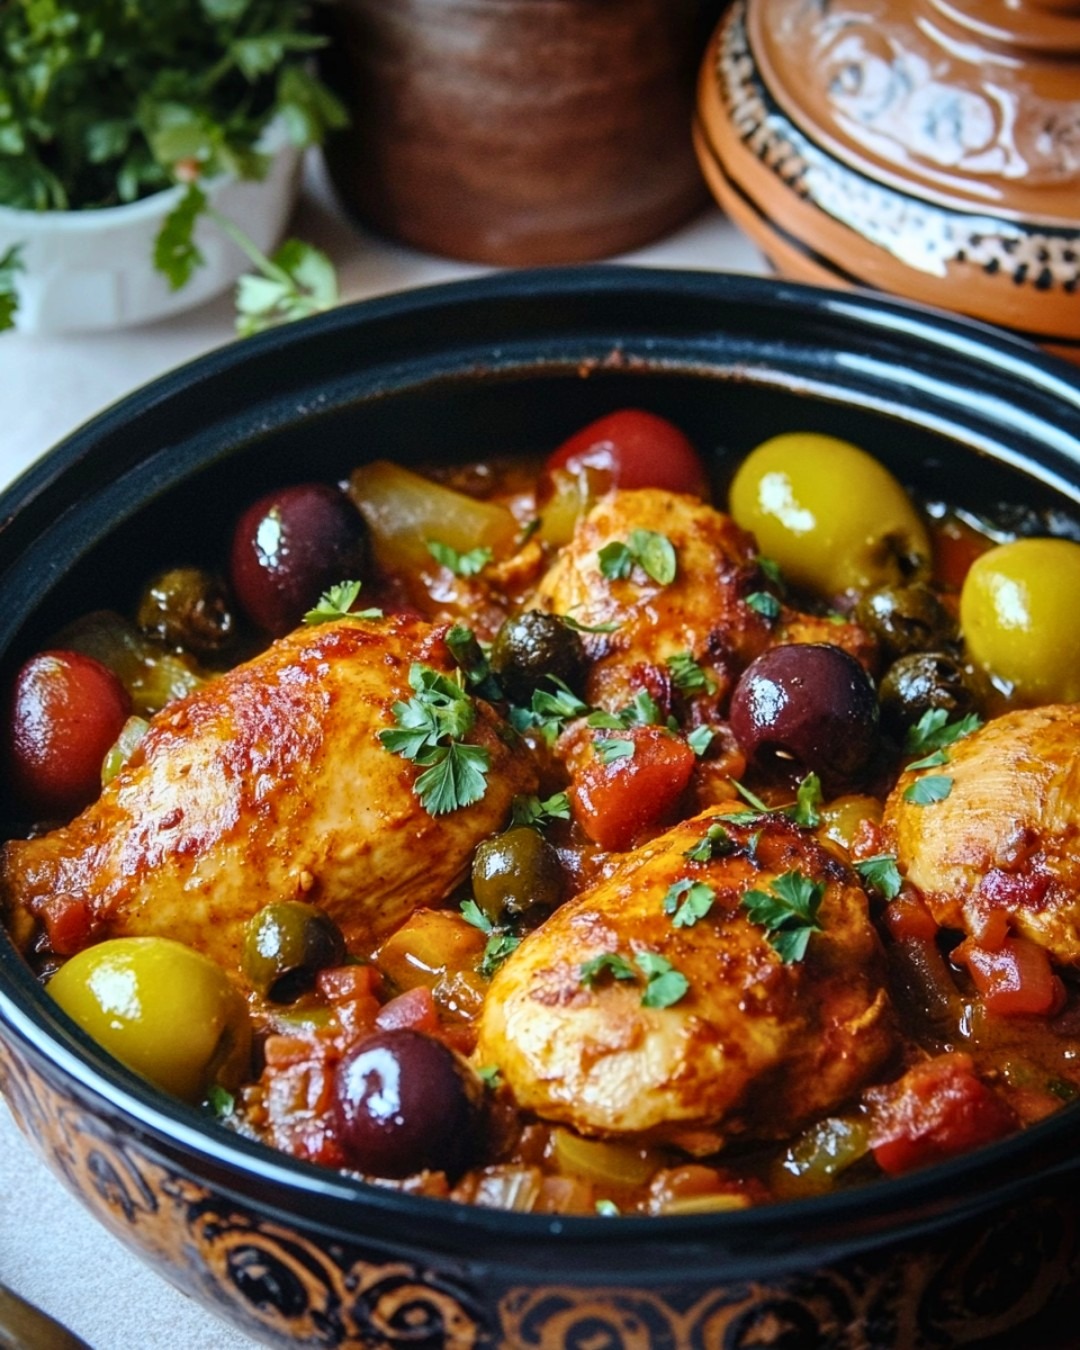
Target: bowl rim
x=834 y=1224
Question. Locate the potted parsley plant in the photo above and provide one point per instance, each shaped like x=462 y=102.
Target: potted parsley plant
x=149 y=153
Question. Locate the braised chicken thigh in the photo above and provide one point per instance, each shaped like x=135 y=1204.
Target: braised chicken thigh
x=755 y=1045
x=1003 y=846
x=270 y=783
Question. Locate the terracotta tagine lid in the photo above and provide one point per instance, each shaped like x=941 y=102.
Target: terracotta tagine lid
x=929 y=148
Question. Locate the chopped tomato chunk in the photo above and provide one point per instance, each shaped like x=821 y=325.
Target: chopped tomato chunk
x=907 y=917
x=939 y=1109
x=415 y=1008
x=1016 y=978
x=631 y=782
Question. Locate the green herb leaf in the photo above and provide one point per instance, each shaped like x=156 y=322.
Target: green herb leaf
x=176 y=255
x=337 y=603
x=472 y=661
x=428 y=731
x=700 y=739
x=931 y=761
x=220 y=1100
x=687 y=901
x=751 y=798
x=472 y=913
x=607 y=963
x=532 y=811
x=653 y=553
x=687 y=676
x=611 y=749
x=664 y=984
x=806 y=813
x=491 y=1076
x=10 y=264
x=578 y=627
x=500 y=945
x=771 y=568
x=461 y=564
x=761 y=602
x=549 y=712
x=788 y=912
x=881 y=873
x=926 y=791
x=293 y=283
x=714 y=843
x=934 y=731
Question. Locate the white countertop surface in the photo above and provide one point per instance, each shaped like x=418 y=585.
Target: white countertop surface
x=51 y=1251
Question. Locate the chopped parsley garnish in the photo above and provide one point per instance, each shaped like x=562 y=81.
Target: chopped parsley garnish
x=613 y=748
x=578 y=627
x=220 y=1100
x=490 y=1075
x=881 y=873
x=926 y=791
x=687 y=901
x=934 y=731
x=761 y=602
x=771 y=569
x=550 y=710
x=689 y=677
x=664 y=985
x=337 y=603
x=788 y=912
x=532 y=811
x=653 y=553
x=10 y=263
x=472 y=661
x=934 y=760
x=751 y=798
x=429 y=730
x=714 y=843
x=700 y=739
x=642 y=711
x=461 y=564
x=500 y=942
x=806 y=812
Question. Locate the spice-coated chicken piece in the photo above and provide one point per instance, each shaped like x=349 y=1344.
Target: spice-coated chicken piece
x=755 y=1045
x=1002 y=849
x=705 y=610
x=270 y=783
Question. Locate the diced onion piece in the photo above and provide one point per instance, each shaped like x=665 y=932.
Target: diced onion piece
x=508 y=1186
x=404 y=511
x=602 y=1161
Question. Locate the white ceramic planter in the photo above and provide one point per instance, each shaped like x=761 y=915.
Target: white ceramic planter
x=87 y=270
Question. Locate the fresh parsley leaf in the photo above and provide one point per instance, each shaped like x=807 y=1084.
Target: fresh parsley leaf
x=654 y=553
x=337 y=603
x=428 y=731
x=220 y=1100
x=176 y=255
x=472 y=661
x=664 y=984
x=532 y=811
x=461 y=564
x=472 y=913
x=10 y=264
x=932 y=761
x=881 y=873
x=714 y=843
x=788 y=912
x=771 y=568
x=610 y=749
x=934 y=731
x=550 y=710
x=642 y=711
x=500 y=945
x=751 y=798
x=687 y=901
x=806 y=812
x=295 y=282
x=700 y=739
x=490 y=1075
x=687 y=676
x=578 y=627
x=926 y=791
x=761 y=602
x=607 y=963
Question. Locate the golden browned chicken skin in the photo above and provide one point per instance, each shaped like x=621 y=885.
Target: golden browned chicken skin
x=755 y=1046
x=271 y=783
x=703 y=611
x=1005 y=842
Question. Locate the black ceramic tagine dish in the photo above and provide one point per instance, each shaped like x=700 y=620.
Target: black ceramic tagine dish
x=296 y=1254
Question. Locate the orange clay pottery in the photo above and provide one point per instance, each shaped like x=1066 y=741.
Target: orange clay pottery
x=930 y=148
x=518 y=132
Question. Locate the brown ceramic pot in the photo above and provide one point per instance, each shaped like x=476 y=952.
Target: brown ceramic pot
x=518 y=131
x=930 y=148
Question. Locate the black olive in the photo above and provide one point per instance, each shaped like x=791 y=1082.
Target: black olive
x=534 y=645
x=187 y=607
x=919 y=682
x=515 y=871
x=286 y=944
x=905 y=619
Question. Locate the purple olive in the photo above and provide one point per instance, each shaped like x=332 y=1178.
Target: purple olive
x=289 y=547
x=405 y=1102
x=807 y=707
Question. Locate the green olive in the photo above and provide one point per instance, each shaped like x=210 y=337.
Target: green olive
x=905 y=618
x=1021 y=621
x=286 y=944
x=833 y=517
x=515 y=871
x=920 y=682
x=161 y=1008
x=187 y=607
x=533 y=645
